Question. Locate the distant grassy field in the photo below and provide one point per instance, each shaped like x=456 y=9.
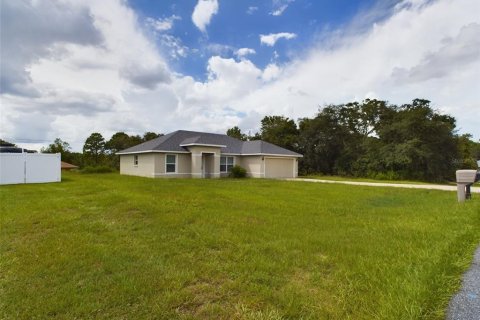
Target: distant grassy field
x=117 y=247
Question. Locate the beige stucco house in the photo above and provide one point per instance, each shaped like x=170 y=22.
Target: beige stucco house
x=189 y=154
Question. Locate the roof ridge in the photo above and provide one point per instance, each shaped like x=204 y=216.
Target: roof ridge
x=203 y=132
x=163 y=138
x=167 y=137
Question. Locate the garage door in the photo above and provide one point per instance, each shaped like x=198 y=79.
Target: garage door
x=279 y=168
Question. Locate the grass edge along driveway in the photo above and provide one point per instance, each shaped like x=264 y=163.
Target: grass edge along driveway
x=118 y=247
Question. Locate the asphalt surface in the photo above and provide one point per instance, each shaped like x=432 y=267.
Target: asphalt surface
x=465 y=305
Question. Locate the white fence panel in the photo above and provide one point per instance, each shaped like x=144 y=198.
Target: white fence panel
x=42 y=168
x=12 y=168
x=29 y=168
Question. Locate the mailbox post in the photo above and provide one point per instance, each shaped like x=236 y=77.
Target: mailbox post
x=465 y=178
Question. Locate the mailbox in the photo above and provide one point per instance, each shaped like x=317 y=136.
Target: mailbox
x=465 y=178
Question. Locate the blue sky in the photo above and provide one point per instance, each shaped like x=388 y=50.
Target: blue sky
x=238 y=24
x=73 y=67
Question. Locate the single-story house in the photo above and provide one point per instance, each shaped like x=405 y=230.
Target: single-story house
x=192 y=154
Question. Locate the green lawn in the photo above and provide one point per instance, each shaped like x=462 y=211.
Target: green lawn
x=117 y=247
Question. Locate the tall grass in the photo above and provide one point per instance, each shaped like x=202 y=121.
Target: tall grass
x=116 y=247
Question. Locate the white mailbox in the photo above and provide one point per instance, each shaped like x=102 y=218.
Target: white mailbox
x=466 y=176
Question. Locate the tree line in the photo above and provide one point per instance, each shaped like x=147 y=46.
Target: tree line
x=96 y=150
x=372 y=139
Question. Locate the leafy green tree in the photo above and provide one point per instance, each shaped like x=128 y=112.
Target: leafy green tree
x=468 y=152
x=236 y=133
x=119 y=141
x=60 y=146
x=134 y=140
x=374 y=139
x=280 y=130
x=322 y=141
x=419 y=143
x=365 y=118
x=76 y=158
x=150 y=136
x=255 y=136
x=4 y=143
x=94 y=148
x=476 y=150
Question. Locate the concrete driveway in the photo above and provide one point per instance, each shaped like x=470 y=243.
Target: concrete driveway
x=393 y=185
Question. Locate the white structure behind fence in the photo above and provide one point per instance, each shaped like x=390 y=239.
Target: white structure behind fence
x=29 y=168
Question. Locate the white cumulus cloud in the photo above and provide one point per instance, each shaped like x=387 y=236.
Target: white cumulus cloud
x=251 y=9
x=242 y=52
x=271 y=72
x=272 y=38
x=76 y=61
x=203 y=12
x=93 y=69
x=279 y=6
x=162 y=24
x=429 y=50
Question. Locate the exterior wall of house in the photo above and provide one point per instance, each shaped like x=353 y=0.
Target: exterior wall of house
x=145 y=167
x=296 y=167
x=254 y=165
x=182 y=168
x=236 y=162
x=190 y=165
x=159 y=164
x=184 y=163
x=196 y=162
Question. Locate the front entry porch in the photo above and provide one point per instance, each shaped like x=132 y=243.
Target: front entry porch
x=208 y=165
x=205 y=161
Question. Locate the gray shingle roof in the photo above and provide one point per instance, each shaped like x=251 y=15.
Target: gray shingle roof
x=172 y=143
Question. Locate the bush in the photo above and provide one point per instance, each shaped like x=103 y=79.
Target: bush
x=238 y=172
x=387 y=175
x=98 y=169
x=469 y=163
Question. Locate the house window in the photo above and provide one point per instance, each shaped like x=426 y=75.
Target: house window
x=226 y=164
x=135 y=160
x=171 y=163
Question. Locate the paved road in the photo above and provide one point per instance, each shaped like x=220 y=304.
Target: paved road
x=394 y=185
x=465 y=305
